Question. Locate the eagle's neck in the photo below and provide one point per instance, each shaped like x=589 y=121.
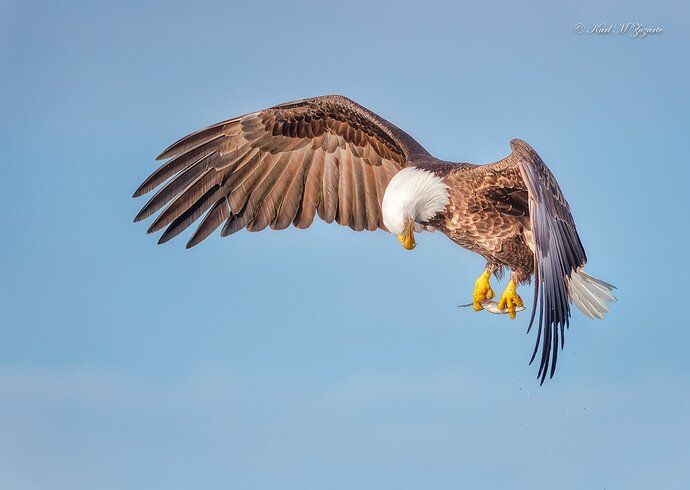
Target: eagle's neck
x=414 y=194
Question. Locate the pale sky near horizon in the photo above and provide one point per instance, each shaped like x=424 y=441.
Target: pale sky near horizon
x=327 y=358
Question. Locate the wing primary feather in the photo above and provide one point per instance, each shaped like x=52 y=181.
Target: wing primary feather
x=190 y=215
x=539 y=328
x=537 y=293
x=242 y=169
x=177 y=185
x=238 y=221
x=242 y=190
x=555 y=350
x=194 y=140
x=175 y=166
x=184 y=200
x=264 y=204
x=219 y=212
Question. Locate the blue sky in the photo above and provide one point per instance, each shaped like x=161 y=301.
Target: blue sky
x=326 y=358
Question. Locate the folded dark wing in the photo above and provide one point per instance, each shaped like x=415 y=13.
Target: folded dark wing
x=279 y=166
x=558 y=252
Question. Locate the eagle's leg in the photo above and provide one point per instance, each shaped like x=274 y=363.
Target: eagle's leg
x=510 y=299
x=482 y=290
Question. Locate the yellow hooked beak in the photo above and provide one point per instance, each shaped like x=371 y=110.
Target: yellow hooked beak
x=407 y=237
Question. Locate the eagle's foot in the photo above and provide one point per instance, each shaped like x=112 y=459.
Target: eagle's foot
x=482 y=291
x=510 y=299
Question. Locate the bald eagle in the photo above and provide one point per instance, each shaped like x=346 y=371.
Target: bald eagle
x=331 y=156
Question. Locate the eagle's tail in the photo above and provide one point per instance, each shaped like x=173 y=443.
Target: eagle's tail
x=590 y=294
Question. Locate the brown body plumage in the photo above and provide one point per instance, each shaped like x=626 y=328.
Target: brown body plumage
x=488 y=213
x=331 y=156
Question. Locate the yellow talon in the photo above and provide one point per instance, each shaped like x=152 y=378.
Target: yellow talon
x=510 y=299
x=482 y=290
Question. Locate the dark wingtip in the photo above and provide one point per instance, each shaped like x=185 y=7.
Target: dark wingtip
x=194 y=240
x=140 y=216
x=141 y=190
x=144 y=188
x=155 y=226
x=164 y=154
x=170 y=150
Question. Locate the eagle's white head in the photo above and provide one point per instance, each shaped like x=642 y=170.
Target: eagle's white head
x=413 y=196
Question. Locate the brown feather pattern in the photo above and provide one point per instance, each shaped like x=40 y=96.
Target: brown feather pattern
x=279 y=166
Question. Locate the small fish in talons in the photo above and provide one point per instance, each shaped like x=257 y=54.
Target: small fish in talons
x=492 y=307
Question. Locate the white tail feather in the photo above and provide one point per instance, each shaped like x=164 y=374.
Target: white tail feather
x=590 y=294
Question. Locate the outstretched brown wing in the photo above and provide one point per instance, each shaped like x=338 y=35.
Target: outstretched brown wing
x=279 y=166
x=558 y=252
